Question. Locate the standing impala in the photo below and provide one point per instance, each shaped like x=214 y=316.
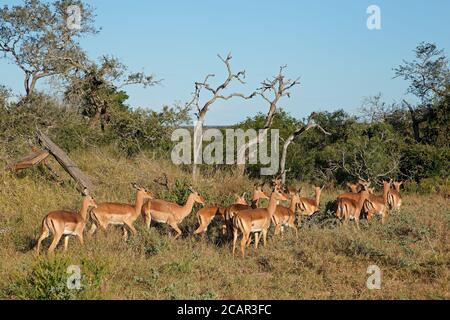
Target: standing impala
x=310 y=206
x=206 y=215
x=395 y=200
x=64 y=223
x=170 y=213
x=255 y=220
x=351 y=208
x=378 y=204
x=284 y=216
x=119 y=213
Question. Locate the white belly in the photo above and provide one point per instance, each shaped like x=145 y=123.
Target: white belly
x=69 y=232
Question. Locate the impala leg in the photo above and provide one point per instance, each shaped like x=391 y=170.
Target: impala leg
x=277 y=230
x=93 y=229
x=56 y=238
x=175 y=227
x=66 y=242
x=235 y=236
x=131 y=226
x=256 y=240
x=264 y=235
x=80 y=237
x=357 y=223
x=244 y=240
x=125 y=233
x=45 y=233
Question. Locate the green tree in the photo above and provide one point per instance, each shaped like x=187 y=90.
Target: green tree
x=35 y=36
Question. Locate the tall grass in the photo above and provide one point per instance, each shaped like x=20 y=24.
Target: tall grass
x=327 y=260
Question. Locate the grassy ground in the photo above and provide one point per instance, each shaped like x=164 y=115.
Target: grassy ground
x=326 y=261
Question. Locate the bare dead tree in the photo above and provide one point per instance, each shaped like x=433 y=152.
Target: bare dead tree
x=271 y=90
x=217 y=94
x=358 y=164
x=300 y=130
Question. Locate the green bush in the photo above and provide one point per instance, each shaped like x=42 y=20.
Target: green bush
x=47 y=279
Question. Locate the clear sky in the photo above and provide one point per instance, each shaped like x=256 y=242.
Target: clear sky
x=326 y=43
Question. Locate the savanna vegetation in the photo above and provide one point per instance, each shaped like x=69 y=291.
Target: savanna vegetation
x=116 y=144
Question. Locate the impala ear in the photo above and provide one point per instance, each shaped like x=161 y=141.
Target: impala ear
x=243 y=195
x=134 y=185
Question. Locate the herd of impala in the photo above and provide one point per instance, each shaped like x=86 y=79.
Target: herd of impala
x=238 y=219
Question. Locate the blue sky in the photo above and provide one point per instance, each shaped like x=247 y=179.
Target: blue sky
x=326 y=43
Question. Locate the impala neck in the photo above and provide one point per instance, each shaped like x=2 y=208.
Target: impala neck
x=362 y=198
x=272 y=205
x=385 y=193
x=84 y=209
x=293 y=204
x=187 y=208
x=318 y=197
x=139 y=203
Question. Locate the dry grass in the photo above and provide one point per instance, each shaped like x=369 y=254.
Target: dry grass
x=327 y=261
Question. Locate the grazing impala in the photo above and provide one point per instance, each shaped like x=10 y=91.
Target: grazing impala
x=350 y=208
x=378 y=204
x=310 y=206
x=394 y=198
x=170 y=213
x=250 y=221
x=65 y=223
x=120 y=214
x=284 y=216
x=206 y=215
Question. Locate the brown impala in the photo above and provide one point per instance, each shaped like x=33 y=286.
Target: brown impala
x=351 y=208
x=284 y=216
x=206 y=215
x=250 y=221
x=162 y=211
x=395 y=200
x=119 y=213
x=64 y=223
x=378 y=204
x=310 y=206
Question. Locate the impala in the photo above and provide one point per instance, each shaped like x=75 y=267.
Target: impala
x=310 y=206
x=206 y=215
x=378 y=204
x=231 y=211
x=119 y=213
x=64 y=223
x=394 y=198
x=284 y=216
x=255 y=220
x=162 y=211
x=350 y=208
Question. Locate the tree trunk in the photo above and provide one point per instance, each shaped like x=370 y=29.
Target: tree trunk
x=65 y=161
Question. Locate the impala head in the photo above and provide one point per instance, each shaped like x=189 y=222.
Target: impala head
x=88 y=199
x=365 y=184
x=353 y=187
x=258 y=193
x=279 y=195
x=197 y=197
x=143 y=192
x=240 y=198
x=295 y=196
x=397 y=185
